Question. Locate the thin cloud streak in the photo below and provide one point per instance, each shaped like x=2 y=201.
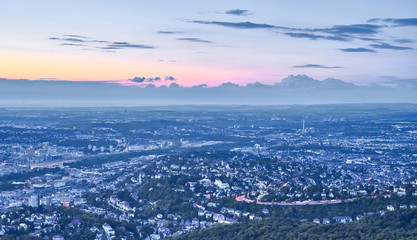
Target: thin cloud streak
x=197 y=40
x=388 y=46
x=237 y=12
x=168 y=32
x=357 y=50
x=315 y=66
x=76 y=42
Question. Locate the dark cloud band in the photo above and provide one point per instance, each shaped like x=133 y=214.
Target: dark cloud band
x=357 y=50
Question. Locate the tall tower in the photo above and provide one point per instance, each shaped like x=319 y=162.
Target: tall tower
x=303 y=126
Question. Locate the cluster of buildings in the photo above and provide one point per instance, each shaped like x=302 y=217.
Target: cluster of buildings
x=208 y=165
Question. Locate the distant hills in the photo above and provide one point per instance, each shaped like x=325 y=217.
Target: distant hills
x=299 y=89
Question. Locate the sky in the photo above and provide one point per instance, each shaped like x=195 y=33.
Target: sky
x=208 y=42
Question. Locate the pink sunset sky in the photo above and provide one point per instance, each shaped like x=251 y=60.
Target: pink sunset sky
x=199 y=43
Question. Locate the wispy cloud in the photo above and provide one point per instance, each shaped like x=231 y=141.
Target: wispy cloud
x=67 y=39
x=311 y=36
x=237 y=12
x=344 y=33
x=73 y=39
x=404 y=41
x=76 y=41
x=402 y=21
x=315 y=66
x=99 y=41
x=334 y=33
x=120 y=45
x=198 y=40
x=109 y=48
x=72 y=44
x=369 y=39
x=336 y=30
x=168 y=32
x=357 y=50
x=74 y=36
x=388 y=46
x=397 y=22
x=241 y=25
x=350 y=29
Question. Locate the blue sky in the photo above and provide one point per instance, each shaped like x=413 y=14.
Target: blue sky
x=212 y=42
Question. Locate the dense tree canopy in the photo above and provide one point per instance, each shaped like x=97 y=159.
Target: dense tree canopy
x=393 y=225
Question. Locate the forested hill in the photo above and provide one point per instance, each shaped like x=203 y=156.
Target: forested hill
x=393 y=225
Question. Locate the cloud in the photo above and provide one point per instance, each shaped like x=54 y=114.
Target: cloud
x=200 y=86
x=168 y=32
x=350 y=29
x=241 y=25
x=357 y=50
x=99 y=41
x=410 y=83
x=74 y=40
x=137 y=79
x=398 y=22
x=404 y=41
x=315 y=66
x=238 y=12
x=68 y=39
x=194 y=40
x=373 y=20
x=305 y=35
x=291 y=90
x=229 y=85
x=174 y=85
x=401 y=22
x=336 y=37
x=109 y=48
x=170 y=78
x=120 y=45
x=151 y=79
x=369 y=39
x=315 y=36
x=74 y=36
x=388 y=46
x=336 y=32
x=72 y=44
x=256 y=85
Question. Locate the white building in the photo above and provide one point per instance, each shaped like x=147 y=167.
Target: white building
x=108 y=229
x=221 y=185
x=33 y=201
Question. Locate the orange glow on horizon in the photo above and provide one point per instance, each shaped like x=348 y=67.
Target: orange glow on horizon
x=95 y=67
